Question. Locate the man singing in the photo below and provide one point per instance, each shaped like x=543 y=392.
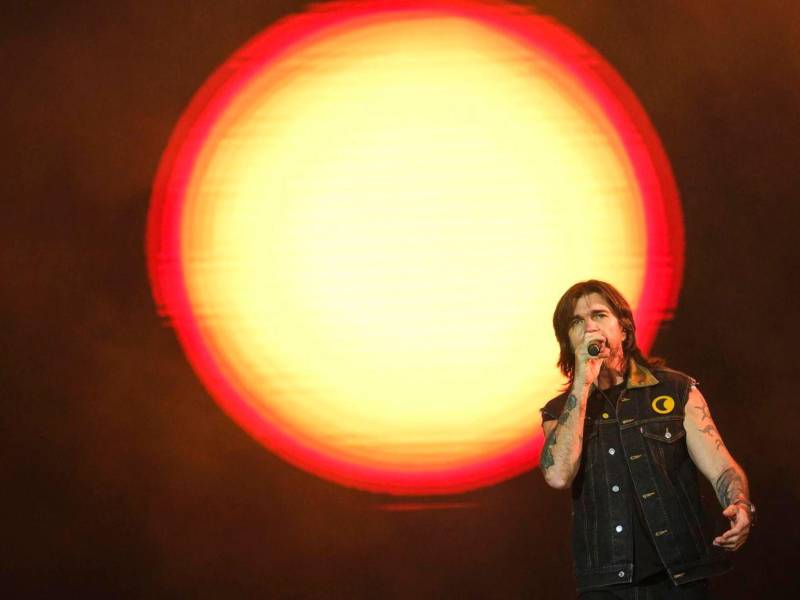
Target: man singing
x=627 y=437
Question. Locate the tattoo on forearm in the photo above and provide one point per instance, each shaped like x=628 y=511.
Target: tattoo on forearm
x=571 y=403
x=729 y=485
x=547 y=459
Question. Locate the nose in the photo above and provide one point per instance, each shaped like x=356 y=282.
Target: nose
x=590 y=326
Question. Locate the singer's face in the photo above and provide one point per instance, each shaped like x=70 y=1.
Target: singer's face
x=593 y=320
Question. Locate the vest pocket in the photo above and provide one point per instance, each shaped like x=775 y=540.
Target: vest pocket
x=662 y=440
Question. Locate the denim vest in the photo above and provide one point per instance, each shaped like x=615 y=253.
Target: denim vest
x=644 y=443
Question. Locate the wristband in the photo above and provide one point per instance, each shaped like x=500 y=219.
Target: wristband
x=751 y=508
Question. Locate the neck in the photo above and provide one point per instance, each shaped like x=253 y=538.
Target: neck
x=611 y=375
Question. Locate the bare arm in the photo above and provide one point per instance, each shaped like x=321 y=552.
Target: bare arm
x=715 y=462
x=561 y=454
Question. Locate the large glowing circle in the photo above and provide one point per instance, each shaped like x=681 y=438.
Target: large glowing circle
x=363 y=222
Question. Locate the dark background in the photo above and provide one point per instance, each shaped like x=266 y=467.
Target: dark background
x=122 y=478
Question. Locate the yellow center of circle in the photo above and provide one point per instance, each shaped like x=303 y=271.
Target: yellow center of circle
x=378 y=229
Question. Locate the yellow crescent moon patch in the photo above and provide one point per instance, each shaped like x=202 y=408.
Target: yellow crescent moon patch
x=663 y=405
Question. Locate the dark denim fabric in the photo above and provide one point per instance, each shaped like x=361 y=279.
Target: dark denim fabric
x=638 y=453
x=660 y=588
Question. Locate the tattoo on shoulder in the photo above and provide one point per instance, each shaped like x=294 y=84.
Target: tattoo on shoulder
x=708 y=430
x=704 y=413
x=711 y=431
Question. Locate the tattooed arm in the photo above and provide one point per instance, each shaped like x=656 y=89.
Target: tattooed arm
x=561 y=454
x=709 y=453
x=563 y=439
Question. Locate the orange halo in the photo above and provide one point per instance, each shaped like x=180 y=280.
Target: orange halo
x=357 y=224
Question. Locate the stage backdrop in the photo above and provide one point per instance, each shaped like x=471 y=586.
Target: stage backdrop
x=129 y=471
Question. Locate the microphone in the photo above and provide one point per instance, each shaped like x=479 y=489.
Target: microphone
x=594 y=348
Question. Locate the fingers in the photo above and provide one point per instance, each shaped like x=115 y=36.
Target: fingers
x=731 y=545
x=732 y=540
x=736 y=536
x=587 y=367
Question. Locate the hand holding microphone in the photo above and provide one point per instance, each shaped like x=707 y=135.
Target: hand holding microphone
x=595 y=347
x=589 y=361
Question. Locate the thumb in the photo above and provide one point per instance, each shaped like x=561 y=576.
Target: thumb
x=730 y=512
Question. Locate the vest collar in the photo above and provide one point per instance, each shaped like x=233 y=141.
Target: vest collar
x=639 y=376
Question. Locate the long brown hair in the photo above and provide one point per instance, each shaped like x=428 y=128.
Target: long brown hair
x=565 y=310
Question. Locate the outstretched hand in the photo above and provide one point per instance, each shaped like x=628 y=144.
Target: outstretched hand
x=736 y=536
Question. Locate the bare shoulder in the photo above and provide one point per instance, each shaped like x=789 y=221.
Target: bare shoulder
x=696 y=406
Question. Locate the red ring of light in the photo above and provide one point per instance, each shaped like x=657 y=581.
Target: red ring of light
x=661 y=206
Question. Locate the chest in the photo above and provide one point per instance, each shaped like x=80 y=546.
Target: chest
x=656 y=413
x=634 y=407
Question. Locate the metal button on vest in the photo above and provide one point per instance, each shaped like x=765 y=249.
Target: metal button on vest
x=618 y=528
x=605 y=415
x=614 y=488
x=621 y=574
x=611 y=451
